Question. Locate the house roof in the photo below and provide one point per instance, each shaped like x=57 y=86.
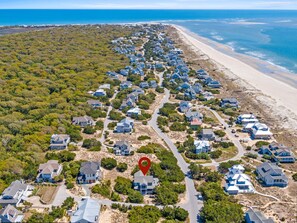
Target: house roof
x=271 y=170
x=11 y=213
x=207 y=132
x=121 y=143
x=49 y=167
x=88 y=210
x=59 y=137
x=89 y=167
x=14 y=187
x=257 y=216
x=82 y=119
x=141 y=179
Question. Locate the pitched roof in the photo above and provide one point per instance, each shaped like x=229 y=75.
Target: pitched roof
x=11 y=213
x=257 y=217
x=14 y=187
x=88 y=210
x=89 y=167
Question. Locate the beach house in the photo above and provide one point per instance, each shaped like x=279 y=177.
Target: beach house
x=271 y=175
x=256 y=216
x=89 y=172
x=122 y=148
x=48 y=171
x=94 y=103
x=279 y=153
x=144 y=184
x=9 y=214
x=260 y=131
x=59 y=141
x=202 y=146
x=88 y=211
x=99 y=93
x=184 y=106
x=191 y=115
x=83 y=121
x=246 y=119
x=229 y=102
x=125 y=85
x=15 y=193
x=237 y=181
x=125 y=126
x=207 y=134
x=134 y=112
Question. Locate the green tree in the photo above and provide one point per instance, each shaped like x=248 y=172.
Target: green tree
x=108 y=163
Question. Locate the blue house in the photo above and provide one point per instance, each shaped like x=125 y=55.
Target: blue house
x=184 y=106
x=144 y=85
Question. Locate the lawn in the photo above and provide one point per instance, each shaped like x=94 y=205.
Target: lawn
x=227 y=153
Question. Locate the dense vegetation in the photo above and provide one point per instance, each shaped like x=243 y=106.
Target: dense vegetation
x=219 y=207
x=45 y=77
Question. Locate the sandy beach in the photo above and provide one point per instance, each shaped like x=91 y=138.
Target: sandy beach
x=279 y=97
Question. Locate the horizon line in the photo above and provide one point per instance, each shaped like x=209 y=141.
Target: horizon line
x=219 y=9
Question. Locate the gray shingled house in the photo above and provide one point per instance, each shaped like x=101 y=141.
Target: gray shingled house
x=15 y=193
x=271 y=175
x=144 y=184
x=255 y=216
x=89 y=173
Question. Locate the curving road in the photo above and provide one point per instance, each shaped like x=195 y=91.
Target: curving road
x=192 y=204
x=230 y=135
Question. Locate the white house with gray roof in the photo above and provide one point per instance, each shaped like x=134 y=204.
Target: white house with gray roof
x=48 y=171
x=88 y=211
x=202 y=146
x=89 y=173
x=10 y=214
x=16 y=193
x=271 y=175
x=59 y=141
x=144 y=184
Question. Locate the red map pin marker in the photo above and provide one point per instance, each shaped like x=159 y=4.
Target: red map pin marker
x=144 y=169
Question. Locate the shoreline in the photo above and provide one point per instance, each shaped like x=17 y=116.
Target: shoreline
x=274 y=93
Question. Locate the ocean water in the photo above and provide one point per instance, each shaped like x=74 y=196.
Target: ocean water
x=264 y=34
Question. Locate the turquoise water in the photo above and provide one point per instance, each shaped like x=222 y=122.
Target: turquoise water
x=268 y=35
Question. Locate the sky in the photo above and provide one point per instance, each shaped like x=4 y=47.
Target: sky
x=148 y=4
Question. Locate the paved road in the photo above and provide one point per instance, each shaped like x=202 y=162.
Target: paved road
x=228 y=130
x=192 y=204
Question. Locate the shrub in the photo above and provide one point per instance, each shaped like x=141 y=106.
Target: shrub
x=143 y=137
x=251 y=155
x=92 y=144
x=137 y=214
x=108 y=163
x=177 y=126
x=294 y=176
x=63 y=156
x=259 y=144
x=123 y=185
x=103 y=189
x=122 y=167
x=134 y=196
x=220 y=133
x=215 y=154
x=99 y=125
x=89 y=130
